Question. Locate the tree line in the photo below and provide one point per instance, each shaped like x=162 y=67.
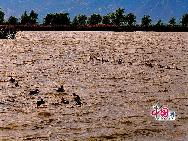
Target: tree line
x=117 y=18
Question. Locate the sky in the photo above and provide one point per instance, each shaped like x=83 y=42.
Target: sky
x=157 y=9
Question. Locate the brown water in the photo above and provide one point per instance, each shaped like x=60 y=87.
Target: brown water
x=117 y=97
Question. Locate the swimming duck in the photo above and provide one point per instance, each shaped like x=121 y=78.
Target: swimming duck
x=34 y=92
x=40 y=102
x=61 y=89
x=77 y=99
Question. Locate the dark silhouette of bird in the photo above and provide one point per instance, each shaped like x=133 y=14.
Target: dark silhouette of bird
x=130 y=63
x=61 y=89
x=16 y=84
x=34 y=92
x=160 y=66
x=12 y=80
x=119 y=61
x=77 y=99
x=40 y=102
x=149 y=65
x=103 y=60
x=64 y=101
x=167 y=67
x=177 y=68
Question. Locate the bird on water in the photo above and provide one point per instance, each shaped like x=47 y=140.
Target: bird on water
x=40 y=102
x=64 y=101
x=61 y=89
x=119 y=61
x=12 y=80
x=77 y=99
x=34 y=92
x=16 y=84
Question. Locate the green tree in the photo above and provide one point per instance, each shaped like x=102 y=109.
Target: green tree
x=2 y=14
x=75 y=21
x=130 y=19
x=184 y=20
x=113 y=19
x=62 y=19
x=33 y=17
x=57 y=19
x=106 y=19
x=172 y=22
x=94 y=19
x=159 y=23
x=146 y=21
x=80 y=20
x=12 y=20
x=48 y=20
x=118 y=17
x=25 y=18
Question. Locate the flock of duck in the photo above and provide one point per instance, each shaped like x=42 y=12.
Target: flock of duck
x=76 y=98
x=61 y=89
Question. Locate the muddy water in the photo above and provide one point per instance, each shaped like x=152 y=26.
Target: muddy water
x=118 y=76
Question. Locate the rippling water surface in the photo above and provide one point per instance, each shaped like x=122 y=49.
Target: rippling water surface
x=118 y=76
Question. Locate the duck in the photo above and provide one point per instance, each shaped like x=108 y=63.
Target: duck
x=103 y=60
x=64 y=101
x=12 y=80
x=16 y=84
x=34 y=92
x=40 y=102
x=77 y=99
x=119 y=61
x=149 y=65
x=61 y=89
